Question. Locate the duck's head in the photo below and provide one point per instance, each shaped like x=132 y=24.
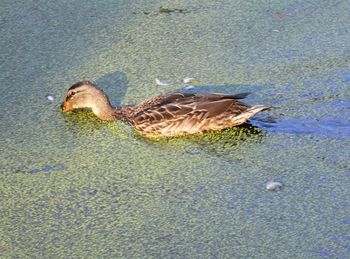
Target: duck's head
x=86 y=94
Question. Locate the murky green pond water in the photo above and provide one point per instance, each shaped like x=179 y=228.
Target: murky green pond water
x=72 y=186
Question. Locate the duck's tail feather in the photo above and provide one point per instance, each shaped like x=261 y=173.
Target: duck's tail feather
x=243 y=117
x=258 y=108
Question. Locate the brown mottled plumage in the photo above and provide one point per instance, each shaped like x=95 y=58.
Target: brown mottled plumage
x=168 y=114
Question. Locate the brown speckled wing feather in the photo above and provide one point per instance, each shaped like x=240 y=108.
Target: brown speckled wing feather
x=173 y=110
x=184 y=98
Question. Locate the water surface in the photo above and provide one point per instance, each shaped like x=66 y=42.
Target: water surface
x=73 y=186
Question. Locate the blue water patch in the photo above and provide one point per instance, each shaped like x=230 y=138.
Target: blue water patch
x=47 y=168
x=333 y=128
x=323 y=108
x=346 y=76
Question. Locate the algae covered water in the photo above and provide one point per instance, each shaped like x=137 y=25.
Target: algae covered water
x=73 y=186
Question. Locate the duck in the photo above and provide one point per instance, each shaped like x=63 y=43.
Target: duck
x=170 y=114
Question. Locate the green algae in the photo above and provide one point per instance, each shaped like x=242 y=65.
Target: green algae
x=73 y=186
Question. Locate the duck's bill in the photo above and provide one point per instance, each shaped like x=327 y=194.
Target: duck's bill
x=65 y=107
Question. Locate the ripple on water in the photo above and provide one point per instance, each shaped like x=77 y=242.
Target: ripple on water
x=333 y=128
x=323 y=112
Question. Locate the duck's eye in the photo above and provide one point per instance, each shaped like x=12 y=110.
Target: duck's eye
x=70 y=95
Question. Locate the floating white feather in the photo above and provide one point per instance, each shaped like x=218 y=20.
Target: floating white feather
x=274 y=186
x=160 y=83
x=189 y=80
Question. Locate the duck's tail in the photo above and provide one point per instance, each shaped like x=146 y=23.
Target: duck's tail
x=257 y=108
x=243 y=117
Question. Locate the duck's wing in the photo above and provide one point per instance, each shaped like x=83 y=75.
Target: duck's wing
x=183 y=98
x=175 y=107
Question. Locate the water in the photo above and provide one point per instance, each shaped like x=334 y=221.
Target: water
x=72 y=186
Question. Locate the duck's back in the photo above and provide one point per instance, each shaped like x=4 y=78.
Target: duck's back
x=189 y=113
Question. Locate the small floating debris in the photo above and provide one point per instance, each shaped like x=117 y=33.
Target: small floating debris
x=275 y=30
x=50 y=98
x=189 y=80
x=160 y=83
x=274 y=186
x=280 y=15
x=171 y=10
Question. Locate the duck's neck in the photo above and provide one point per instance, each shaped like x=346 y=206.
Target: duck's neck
x=104 y=110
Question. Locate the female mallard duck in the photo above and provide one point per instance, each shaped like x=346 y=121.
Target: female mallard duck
x=168 y=114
